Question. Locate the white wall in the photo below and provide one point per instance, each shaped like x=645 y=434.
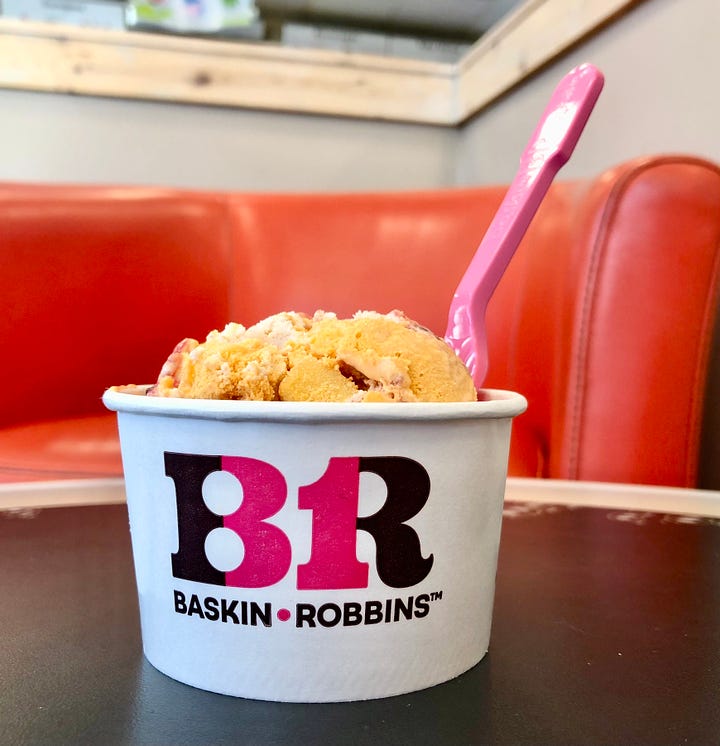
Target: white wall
x=58 y=138
x=661 y=63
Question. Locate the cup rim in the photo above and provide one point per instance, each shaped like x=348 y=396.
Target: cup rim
x=491 y=404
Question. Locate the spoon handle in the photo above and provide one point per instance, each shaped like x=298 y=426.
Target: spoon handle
x=549 y=148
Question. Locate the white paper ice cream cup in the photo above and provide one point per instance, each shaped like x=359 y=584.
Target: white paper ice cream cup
x=314 y=552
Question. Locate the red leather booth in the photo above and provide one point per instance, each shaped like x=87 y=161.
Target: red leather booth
x=604 y=320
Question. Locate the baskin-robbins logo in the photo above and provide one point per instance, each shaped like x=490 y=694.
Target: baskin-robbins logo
x=333 y=502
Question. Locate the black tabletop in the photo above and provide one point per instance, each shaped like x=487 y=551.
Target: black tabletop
x=606 y=631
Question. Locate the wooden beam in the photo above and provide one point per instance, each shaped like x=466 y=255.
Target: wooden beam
x=123 y=64
x=161 y=67
x=536 y=33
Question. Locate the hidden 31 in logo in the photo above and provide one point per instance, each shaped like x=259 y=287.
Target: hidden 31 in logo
x=333 y=501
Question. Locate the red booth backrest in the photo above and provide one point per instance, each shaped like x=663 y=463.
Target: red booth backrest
x=603 y=320
x=610 y=306
x=98 y=284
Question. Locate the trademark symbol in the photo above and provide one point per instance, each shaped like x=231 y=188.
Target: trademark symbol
x=436 y=596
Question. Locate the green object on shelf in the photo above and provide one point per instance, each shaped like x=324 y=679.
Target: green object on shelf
x=192 y=15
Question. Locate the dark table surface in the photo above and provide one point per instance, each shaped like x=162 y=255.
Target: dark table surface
x=606 y=631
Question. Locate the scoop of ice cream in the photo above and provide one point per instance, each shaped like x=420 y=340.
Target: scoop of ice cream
x=370 y=357
x=228 y=365
x=373 y=357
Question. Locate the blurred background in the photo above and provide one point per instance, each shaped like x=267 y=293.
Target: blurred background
x=405 y=28
x=657 y=56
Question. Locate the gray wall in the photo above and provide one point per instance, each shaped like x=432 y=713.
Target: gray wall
x=58 y=138
x=661 y=63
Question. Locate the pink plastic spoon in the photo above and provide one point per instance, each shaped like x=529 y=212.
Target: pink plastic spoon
x=549 y=149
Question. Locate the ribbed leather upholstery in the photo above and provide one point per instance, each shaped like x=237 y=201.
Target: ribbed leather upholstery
x=604 y=319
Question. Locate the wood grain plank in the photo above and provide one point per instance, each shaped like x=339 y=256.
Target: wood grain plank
x=67 y=59
x=97 y=62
